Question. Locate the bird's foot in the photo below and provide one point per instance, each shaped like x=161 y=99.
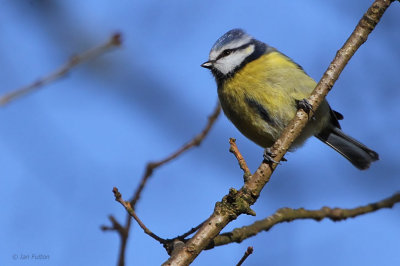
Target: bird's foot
x=306 y=106
x=268 y=156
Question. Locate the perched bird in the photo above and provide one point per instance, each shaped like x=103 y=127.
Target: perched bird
x=260 y=89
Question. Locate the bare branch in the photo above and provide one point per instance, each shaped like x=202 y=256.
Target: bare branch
x=235 y=204
x=191 y=231
x=114 y=41
x=196 y=141
x=128 y=208
x=248 y=252
x=288 y=215
x=116 y=226
x=242 y=163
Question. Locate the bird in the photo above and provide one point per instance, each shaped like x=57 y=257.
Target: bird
x=260 y=90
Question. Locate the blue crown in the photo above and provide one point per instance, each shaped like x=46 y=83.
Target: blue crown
x=228 y=37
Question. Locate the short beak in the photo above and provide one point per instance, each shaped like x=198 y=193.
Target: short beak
x=207 y=64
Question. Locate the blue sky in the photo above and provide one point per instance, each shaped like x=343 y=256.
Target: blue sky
x=64 y=147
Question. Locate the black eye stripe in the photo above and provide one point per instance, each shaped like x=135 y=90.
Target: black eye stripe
x=227 y=52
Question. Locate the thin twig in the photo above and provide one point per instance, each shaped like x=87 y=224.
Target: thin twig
x=122 y=232
x=196 y=141
x=248 y=252
x=116 y=226
x=128 y=208
x=288 y=215
x=113 y=41
x=242 y=163
x=191 y=231
x=171 y=245
x=238 y=203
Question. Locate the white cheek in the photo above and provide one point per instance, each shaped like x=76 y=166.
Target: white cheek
x=230 y=62
x=227 y=64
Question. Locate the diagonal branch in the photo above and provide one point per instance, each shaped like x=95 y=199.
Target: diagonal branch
x=239 y=202
x=248 y=252
x=242 y=163
x=113 y=41
x=191 y=231
x=196 y=141
x=288 y=215
x=129 y=209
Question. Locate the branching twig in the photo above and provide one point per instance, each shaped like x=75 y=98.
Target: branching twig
x=242 y=163
x=288 y=215
x=196 y=141
x=116 y=226
x=248 y=252
x=238 y=203
x=128 y=208
x=191 y=231
x=115 y=40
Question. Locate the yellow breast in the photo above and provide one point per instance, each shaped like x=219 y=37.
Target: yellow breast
x=272 y=82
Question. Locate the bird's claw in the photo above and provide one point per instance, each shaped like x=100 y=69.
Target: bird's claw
x=306 y=106
x=268 y=156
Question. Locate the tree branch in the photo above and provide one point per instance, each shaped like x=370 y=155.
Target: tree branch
x=242 y=163
x=288 y=215
x=240 y=201
x=196 y=141
x=129 y=209
x=113 y=41
x=191 y=231
x=248 y=252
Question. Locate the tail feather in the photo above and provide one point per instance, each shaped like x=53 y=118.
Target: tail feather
x=357 y=153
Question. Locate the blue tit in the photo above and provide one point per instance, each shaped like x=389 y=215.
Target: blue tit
x=259 y=89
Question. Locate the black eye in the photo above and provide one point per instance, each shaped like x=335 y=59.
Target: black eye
x=226 y=52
